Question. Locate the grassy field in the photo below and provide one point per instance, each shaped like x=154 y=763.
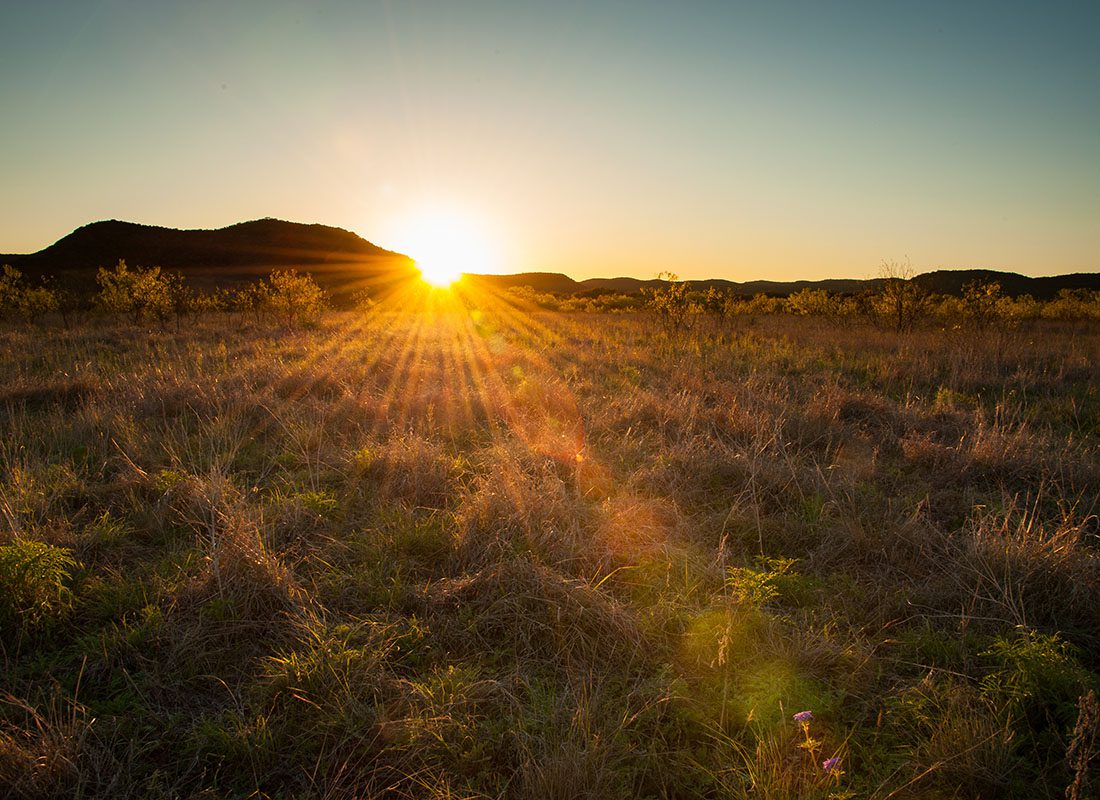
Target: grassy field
x=505 y=553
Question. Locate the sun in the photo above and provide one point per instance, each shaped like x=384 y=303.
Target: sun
x=440 y=276
x=445 y=245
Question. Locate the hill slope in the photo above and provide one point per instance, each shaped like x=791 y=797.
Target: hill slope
x=339 y=260
x=949 y=282
x=262 y=242
x=953 y=281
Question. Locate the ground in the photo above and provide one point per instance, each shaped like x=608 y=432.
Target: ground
x=495 y=552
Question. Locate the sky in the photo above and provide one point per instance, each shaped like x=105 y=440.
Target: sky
x=746 y=140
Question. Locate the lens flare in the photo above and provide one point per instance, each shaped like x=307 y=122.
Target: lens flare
x=445 y=245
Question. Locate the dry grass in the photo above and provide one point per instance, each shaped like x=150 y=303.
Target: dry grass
x=475 y=550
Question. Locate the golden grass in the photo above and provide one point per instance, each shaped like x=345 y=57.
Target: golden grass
x=465 y=548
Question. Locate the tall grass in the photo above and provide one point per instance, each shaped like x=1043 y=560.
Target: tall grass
x=500 y=552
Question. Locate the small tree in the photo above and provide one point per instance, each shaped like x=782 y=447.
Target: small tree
x=761 y=303
x=37 y=301
x=69 y=304
x=809 y=303
x=722 y=307
x=361 y=300
x=140 y=293
x=981 y=301
x=671 y=302
x=899 y=300
x=248 y=299
x=1073 y=304
x=20 y=299
x=293 y=297
x=11 y=283
x=183 y=301
x=220 y=299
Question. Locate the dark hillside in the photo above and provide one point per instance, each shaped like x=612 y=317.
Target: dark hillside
x=557 y=283
x=950 y=282
x=551 y=282
x=339 y=260
x=953 y=281
x=262 y=242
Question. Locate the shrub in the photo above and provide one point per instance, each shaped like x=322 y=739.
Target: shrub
x=981 y=301
x=764 y=304
x=292 y=297
x=757 y=586
x=723 y=307
x=1034 y=669
x=19 y=299
x=1073 y=304
x=140 y=293
x=11 y=287
x=818 y=303
x=361 y=300
x=899 y=301
x=671 y=302
x=249 y=299
x=36 y=302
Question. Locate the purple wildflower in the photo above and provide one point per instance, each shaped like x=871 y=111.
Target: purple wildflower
x=803 y=716
x=829 y=764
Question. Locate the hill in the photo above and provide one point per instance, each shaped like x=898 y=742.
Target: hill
x=748 y=288
x=339 y=259
x=548 y=282
x=261 y=242
x=951 y=282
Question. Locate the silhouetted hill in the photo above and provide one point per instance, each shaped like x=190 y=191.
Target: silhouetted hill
x=546 y=282
x=749 y=288
x=340 y=260
x=940 y=282
x=262 y=242
x=837 y=285
x=618 y=285
x=953 y=281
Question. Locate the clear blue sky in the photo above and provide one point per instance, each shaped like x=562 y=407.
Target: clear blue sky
x=740 y=140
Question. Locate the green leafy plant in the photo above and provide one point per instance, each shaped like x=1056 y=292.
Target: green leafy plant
x=756 y=586
x=34 y=579
x=1033 y=669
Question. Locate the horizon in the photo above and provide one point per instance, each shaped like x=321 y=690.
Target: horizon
x=745 y=280
x=785 y=142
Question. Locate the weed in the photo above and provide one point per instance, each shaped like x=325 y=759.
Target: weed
x=34 y=585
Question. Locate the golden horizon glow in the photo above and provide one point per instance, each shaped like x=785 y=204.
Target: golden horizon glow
x=440 y=276
x=445 y=245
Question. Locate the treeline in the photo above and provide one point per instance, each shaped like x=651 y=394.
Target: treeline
x=897 y=303
x=155 y=296
x=160 y=297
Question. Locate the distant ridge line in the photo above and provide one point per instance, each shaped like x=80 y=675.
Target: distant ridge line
x=238 y=251
x=949 y=282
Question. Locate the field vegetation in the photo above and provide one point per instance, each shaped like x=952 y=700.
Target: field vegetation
x=447 y=544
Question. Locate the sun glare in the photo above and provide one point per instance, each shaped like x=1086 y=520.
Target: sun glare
x=445 y=246
x=440 y=275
